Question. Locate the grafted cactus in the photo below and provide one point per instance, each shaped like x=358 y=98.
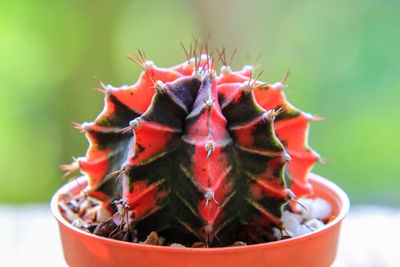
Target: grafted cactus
x=198 y=156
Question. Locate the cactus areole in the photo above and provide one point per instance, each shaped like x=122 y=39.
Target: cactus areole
x=196 y=155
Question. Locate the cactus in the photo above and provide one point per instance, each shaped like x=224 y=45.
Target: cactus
x=198 y=156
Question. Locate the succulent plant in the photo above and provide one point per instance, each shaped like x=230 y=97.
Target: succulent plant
x=195 y=155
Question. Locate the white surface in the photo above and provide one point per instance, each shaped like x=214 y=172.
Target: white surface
x=29 y=237
x=370 y=237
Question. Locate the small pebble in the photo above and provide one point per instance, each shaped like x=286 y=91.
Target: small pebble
x=176 y=245
x=198 y=245
x=315 y=208
x=239 y=244
x=105 y=228
x=101 y=213
x=314 y=224
x=152 y=239
x=312 y=212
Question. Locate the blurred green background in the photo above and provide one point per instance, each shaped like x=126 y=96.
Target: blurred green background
x=344 y=57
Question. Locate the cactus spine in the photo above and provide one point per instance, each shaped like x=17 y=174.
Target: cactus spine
x=198 y=156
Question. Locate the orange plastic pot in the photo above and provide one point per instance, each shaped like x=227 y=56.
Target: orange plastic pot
x=318 y=248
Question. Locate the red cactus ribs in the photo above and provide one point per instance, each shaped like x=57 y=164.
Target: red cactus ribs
x=198 y=156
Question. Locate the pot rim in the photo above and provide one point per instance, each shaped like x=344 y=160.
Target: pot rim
x=339 y=196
